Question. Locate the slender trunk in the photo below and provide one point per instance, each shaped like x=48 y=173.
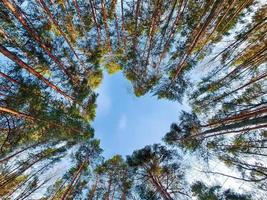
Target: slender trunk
x=109 y=187
x=243 y=65
x=217 y=24
x=96 y=23
x=137 y=12
x=237 y=178
x=250 y=65
x=18 y=152
x=23 y=65
x=18 y=114
x=77 y=9
x=117 y=29
x=151 y=31
x=168 y=21
x=104 y=13
x=38 y=187
x=253 y=80
x=66 y=193
x=92 y=192
x=247 y=144
x=244 y=130
x=209 y=18
x=164 y=189
x=172 y=31
x=30 y=118
x=53 y=20
x=123 y=24
x=58 y=190
x=21 y=171
x=258 y=123
x=163 y=193
x=251 y=153
x=9 y=78
x=36 y=37
x=238 y=117
x=246 y=2
x=240 y=40
x=28 y=178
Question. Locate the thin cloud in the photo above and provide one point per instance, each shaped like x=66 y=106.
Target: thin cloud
x=122 y=124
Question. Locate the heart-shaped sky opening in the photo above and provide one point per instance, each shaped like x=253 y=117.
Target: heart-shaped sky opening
x=125 y=122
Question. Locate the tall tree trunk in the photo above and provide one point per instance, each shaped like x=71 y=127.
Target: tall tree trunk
x=16 y=113
x=30 y=118
x=16 y=12
x=234 y=177
x=23 y=65
x=165 y=195
x=256 y=123
x=217 y=25
x=137 y=12
x=182 y=7
x=151 y=31
x=18 y=152
x=53 y=20
x=253 y=80
x=168 y=21
x=209 y=18
x=238 y=127
x=243 y=115
x=9 y=78
x=92 y=192
x=77 y=9
x=245 y=64
x=117 y=29
x=109 y=188
x=28 y=178
x=104 y=12
x=66 y=193
x=95 y=21
x=240 y=40
x=123 y=24
x=237 y=12
x=22 y=170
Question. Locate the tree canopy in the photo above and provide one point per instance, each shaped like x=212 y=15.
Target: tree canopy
x=209 y=54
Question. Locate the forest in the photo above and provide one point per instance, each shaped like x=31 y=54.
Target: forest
x=208 y=54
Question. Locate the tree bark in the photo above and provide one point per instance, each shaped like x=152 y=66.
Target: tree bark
x=16 y=12
x=182 y=63
x=66 y=193
x=96 y=23
x=104 y=12
x=23 y=65
x=53 y=20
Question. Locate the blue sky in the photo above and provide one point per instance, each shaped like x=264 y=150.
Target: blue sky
x=124 y=122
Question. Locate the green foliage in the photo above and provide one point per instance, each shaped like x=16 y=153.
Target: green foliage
x=113 y=67
x=53 y=62
x=203 y=192
x=94 y=79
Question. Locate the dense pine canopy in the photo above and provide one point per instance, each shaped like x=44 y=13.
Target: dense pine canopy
x=209 y=54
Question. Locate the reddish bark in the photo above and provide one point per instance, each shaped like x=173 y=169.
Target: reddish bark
x=96 y=23
x=104 y=13
x=23 y=65
x=202 y=29
x=67 y=191
x=17 y=13
x=53 y=20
